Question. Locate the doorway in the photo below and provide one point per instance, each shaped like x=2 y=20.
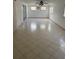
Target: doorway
x=24 y=12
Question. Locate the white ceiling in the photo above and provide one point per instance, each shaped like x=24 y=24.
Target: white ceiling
x=48 y=1
x=33 y=1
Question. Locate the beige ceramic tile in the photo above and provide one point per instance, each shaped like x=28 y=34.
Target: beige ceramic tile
x=35 y=39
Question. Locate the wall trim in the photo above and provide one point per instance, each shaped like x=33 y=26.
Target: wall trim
x=57 y=24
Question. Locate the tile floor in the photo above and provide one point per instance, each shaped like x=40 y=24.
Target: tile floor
x=39 y=39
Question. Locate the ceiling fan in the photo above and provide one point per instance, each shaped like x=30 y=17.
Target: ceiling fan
x=41 y=2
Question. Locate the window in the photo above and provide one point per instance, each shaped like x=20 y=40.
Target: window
x=43 y=8
x=33 y=8
x=36 y=8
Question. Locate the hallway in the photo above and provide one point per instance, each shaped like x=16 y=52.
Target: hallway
x=39 y=39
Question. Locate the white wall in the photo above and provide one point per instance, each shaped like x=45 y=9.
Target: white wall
x=14 y=16
x=18 y=15
x=37 y=13
x=58 y=12
x=59 y=20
